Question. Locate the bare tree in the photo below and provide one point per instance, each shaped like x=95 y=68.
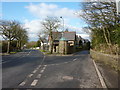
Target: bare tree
x=101 y=18
x=50 y=24
x=21 y=36
x=42 y=37
x=12 y=30
x=7 y=29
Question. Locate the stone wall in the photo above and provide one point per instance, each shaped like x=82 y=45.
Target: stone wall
x=111 y=60
x=63 y=47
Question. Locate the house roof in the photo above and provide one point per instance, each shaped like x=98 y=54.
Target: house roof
x=57 y=35
x=69 y=35
x=66 y=35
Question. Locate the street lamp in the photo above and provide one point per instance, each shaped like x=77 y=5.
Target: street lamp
x=63 y=38
x=118 y=6
x=63 y=24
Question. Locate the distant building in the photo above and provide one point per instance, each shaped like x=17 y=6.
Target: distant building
x=66 y=43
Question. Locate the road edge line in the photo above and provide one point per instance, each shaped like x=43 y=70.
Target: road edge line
x=99 y=75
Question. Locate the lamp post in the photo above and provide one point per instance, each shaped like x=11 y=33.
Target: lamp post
x=62 y=38
x=63 y=25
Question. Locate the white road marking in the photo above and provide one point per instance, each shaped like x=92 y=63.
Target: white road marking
x=67 y=78
x=34 y=71
x=45 y=65
x=65 y=62
x=39 y=66
x=75 y=59
x=22 y=84
x=34 y=82
x=44 y=68
x=38 y=76
x=41 y=71
x=30 y=75
x=60 y=63
x=6 y=61
x=99 y=75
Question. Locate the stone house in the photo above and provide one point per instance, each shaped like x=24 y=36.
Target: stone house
x=65 y=42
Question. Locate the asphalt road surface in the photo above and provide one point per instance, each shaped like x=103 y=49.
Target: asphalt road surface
x=32 y=69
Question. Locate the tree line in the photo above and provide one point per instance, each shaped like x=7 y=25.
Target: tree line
x=104 y=23
x=14 y=33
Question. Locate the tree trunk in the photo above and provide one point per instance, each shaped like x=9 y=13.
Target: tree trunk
x=107 y=41
x=17 y=45
x=8 y=47
x=20 y=45
x=51 y=47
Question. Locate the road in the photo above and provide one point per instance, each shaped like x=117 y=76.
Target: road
x=32 y=69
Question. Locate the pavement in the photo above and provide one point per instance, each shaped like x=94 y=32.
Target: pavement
x=110 y=75
x=32 y=69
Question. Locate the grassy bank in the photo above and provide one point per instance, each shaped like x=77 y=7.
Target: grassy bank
x=106 y=59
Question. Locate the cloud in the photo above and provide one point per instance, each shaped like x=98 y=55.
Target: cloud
x=85 y=36
x=42 y=10
x=34 y=27
x=73 y=28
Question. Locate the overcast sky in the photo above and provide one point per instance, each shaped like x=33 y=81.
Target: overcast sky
x=31 y=14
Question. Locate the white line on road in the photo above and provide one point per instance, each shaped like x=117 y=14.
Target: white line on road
x=99 y=75
x=39 y=66
x=75 y=59
x=22 y=84
x=38 y=76
x=30 y=75
x=44 y=67
x=41 y=71
x=65 y=62
x=60 y=63
x=34 y=82
x=34 y=71
x=5 y=61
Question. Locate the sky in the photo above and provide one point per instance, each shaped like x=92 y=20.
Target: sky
x=30 y=14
